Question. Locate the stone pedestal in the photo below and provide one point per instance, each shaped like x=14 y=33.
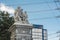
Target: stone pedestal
x=21 y=31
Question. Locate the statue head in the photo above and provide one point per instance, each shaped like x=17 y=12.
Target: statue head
x=21 y=10
x=25 y=12
x=18 y=7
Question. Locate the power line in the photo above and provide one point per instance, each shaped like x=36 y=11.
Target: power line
x=58 y=8
x=55 y=36
x=56 y=13
x=52 y=37
x=40 y=11
x=51 y=34
x=45 y=18
x=24 y=4
x=56 y=3
x=55 y=17
x=53 y=12
x=54 y=33
x=41 y=18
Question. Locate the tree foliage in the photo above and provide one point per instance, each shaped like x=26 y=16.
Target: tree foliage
x=5 y=22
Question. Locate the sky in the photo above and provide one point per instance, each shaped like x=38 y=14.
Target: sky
x=42 y=12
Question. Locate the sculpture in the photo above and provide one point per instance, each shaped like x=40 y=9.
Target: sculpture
x=20 y=16
x=16 y=14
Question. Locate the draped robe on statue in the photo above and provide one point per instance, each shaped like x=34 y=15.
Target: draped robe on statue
x=19 y=16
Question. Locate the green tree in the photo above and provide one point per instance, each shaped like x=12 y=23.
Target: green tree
x=5 y=22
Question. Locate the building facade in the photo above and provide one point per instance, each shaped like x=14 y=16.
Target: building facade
x=38 y=33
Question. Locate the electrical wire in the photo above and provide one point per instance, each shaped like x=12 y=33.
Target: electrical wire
x=53 y=12
x=56 y=13
x=53 y=37
x=32 y=19
x=39 y=10
x=36 y=3
x=51 y=34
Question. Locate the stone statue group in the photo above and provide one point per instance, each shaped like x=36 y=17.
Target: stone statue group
x=20 y=16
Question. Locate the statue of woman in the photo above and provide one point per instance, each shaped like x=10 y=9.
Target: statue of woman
x=25 y=17
x=17 y=14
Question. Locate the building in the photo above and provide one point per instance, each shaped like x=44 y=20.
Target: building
x=45 y=34
x=38 y=33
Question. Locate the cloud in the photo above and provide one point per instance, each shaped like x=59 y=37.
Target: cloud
x=6 y=8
